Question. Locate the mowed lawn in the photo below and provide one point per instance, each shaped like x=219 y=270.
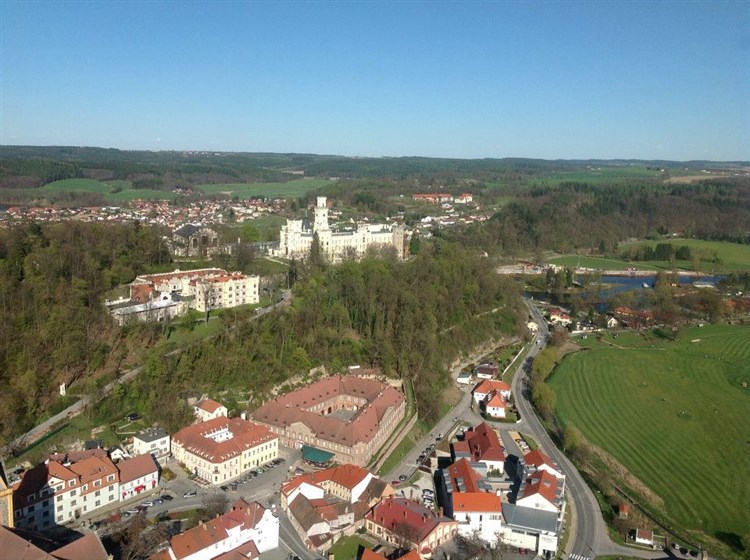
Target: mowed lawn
x=675 y=414
x=733 y=256
x=601 y=175
x=292 y=189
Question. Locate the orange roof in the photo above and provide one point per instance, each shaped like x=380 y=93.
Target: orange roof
x=378 y=398
x=137 y=467
x=483 y=443
x=489 y=385
x=537 y=459
x=496 y=400
x=209 y=405
x=476 y=501
x=347 y=476
x=245 y=435
x=542 y=483
x=461 y=471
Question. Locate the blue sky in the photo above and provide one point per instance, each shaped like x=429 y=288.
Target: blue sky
x=551 y=80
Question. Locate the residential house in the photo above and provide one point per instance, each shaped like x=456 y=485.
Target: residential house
x=53 y=493
x=481 y=444
x=644 y=536
x=246 y=531
x=469 y=499
x=208 y=409
x=137 y=475
x=486 y=371
x=400 y=521
x=537 y=461
x=155 y=441
x=324 y=505
x=488 y=386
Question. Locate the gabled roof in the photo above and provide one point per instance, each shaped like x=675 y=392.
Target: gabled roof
x=88 y=547
x=137 y=467
x=544 y=484
x=483 y=443
x=476 y=502
x=209 y=405
x=536 y=458
x=295 y=407
x=394 y=512
x=462 y=477
x=245 y=435
x=496 y=400
x=489 y=385
x=346 y=475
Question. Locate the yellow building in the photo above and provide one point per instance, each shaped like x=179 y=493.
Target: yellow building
x=6 y=499
x=221 y=449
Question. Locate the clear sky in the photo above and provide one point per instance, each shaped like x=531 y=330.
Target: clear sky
x=594 y=79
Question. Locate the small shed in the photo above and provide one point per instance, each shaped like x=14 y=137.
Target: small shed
x=643 y=536
x=623 y=510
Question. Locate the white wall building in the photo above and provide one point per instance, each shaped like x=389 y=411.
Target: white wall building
x=137 y=475
x=154 y=441
x=295 y=240
x=208 y=409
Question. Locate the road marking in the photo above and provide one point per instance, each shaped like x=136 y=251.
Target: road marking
x=578 y=557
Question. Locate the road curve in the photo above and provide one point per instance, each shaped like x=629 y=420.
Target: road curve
x=591 y=538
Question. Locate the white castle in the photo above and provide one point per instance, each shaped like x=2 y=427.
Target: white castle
x=295 y=240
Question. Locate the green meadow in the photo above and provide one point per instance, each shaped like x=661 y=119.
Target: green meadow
x=676 y=414
x=598 y=175
x=732 y=256
x=292 y=189
x=113 y=191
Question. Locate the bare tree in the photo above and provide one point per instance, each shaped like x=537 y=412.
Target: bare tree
x=213 y=505
x=137 y=538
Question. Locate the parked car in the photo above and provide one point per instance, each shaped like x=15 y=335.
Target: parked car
x=190 y=494
x=147 y=503
x=167 y=497
x=158 y=501
x=133 y=416
x=225 y=488
x=402 y=477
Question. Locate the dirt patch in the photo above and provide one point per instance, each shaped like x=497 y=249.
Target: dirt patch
x=687 y=179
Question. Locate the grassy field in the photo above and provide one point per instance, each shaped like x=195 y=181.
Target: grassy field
x=348 y=547
x=733 y=256
x=674 y=413
x=113 y=191
x=292 y=189
x=598 y=175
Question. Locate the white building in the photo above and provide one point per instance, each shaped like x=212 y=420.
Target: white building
x=247 y=529
x=53 y=493
x=295 y=240
x=154 y=441
x=208 y=409
x=137 y=475
x=226 y=290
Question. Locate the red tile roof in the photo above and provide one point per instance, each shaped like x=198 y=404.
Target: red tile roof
x=463 y=477
x=245 y=435
x=394 y=512
x=537 y=459
x=542 y=483
x=476 y=502
x=347 y=476
x=489 y=385
x=212 y=532
x=88 y=547
x=209 y=405
x=137 y=467
x=483 y=443
x=496 y=400
x=294 y=407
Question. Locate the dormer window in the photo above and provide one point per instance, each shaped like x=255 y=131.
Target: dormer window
x=72 y=483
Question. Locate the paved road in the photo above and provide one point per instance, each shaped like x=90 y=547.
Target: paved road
x=590 y=538
x=76 y=408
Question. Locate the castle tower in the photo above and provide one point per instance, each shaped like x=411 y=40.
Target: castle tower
x=321 y=215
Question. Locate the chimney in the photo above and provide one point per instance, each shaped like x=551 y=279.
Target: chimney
x=404 y=514
x=440 y=512
x=424 y=518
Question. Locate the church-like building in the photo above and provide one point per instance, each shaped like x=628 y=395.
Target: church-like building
x=295 y=239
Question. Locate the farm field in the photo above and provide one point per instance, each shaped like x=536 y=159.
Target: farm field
x=674 y=413
x=598 y=175
x=733 y=256
x=292 y=189
x=114 y=191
